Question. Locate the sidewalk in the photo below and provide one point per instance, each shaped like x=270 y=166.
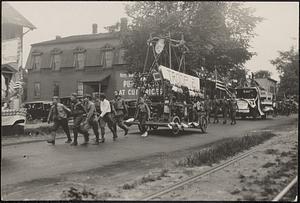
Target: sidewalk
x=35 y=133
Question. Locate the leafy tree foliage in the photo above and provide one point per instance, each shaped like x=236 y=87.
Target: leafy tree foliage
x=287 y=64
x=262 y=74
x=217 y=33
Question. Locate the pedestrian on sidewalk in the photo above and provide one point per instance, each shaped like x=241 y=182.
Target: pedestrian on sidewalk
x=91 y=118
x=121 y=112
x=59 y=115
x=143 y=115
x=233 y=108
x=106 y=117
x=78 y=112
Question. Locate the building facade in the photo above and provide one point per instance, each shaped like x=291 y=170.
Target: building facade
x=269 y=84
x=12 y=25
x=90 y=64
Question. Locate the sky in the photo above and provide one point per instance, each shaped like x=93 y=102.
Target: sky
x=278 y=31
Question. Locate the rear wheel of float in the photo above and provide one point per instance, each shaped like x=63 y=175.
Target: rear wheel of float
x=175 y=129
x=143 y=128
x=154 y=127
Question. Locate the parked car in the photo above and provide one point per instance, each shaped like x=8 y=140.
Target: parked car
x=131 y=105
x=37 y=110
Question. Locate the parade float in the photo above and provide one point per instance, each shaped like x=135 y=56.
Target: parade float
x=169 y=91
x=13 y=116
x=254 y=102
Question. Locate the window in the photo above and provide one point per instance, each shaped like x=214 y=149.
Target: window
x=56 y=89
x=108 y=59
x=122 y=56
x=79 y=88
x=36 y=62
x=107 y=56
x=79 y=59
x=55 y=62
x=37 y=90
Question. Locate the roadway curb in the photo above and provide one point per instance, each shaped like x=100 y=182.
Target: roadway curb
x=42 y=140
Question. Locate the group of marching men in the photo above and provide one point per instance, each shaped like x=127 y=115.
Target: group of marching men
x=96 y=112
x=89 y=113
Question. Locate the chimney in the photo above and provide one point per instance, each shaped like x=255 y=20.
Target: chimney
x=123 y=26
x=95 y=27
x=57 y=37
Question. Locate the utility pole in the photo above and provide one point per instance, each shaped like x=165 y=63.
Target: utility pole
x=170 y=54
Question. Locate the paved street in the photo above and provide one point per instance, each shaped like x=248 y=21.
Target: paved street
x=27 y=162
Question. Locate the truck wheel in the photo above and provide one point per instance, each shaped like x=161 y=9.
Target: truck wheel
x=154 y=127
x=142 y=128
x=176 y=130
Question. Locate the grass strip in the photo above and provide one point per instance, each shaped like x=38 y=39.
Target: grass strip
x=224 y=149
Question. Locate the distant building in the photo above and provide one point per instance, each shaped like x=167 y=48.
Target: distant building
x=268 y=84
x=91 y=63
x=12 y=25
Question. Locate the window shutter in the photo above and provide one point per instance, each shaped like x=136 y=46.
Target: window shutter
x=75 y=61
x=116 y=56
x=101 y=57
x=52 y=65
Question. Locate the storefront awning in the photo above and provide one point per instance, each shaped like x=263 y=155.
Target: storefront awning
x=99 y=78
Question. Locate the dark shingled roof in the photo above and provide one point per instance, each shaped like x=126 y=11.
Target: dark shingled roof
x=76 y=38
x=11 y=15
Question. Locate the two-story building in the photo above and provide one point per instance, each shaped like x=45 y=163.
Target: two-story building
x=91 y=63
x=269 y=84
x=13 y=25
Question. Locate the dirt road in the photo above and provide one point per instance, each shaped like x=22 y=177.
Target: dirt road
x=29 y=170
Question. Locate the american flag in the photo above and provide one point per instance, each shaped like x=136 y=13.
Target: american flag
x=220 y=84
x=14 y=86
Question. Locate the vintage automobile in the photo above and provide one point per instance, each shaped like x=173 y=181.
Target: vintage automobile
x=37 y=110
x=250 y=103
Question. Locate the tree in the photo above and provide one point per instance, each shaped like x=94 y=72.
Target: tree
x=287 y=64
x=217 y=33
x=262 y=74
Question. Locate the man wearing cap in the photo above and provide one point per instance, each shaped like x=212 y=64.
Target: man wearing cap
x=105 y=117
x=91 y=115
x=78 y=112
x=208 y=107
x=120 y=113
x=59 y=114
x=215 y=105
x=225 y=105
x=233 y=108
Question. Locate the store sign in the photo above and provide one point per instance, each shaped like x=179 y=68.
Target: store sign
x=126 y=89
x=180 y=79
x=10 y=50
x=125 y=86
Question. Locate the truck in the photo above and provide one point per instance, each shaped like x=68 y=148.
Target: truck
x=253 y=102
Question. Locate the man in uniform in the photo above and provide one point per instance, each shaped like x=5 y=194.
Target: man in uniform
x=143 y=114
x=106 y=117
x=208 y=107
x=120 y=111
x=59 y=114
x=233 y=108
x=215 y=105
x=78 y=113
x=91 y=116
x=225 y=109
